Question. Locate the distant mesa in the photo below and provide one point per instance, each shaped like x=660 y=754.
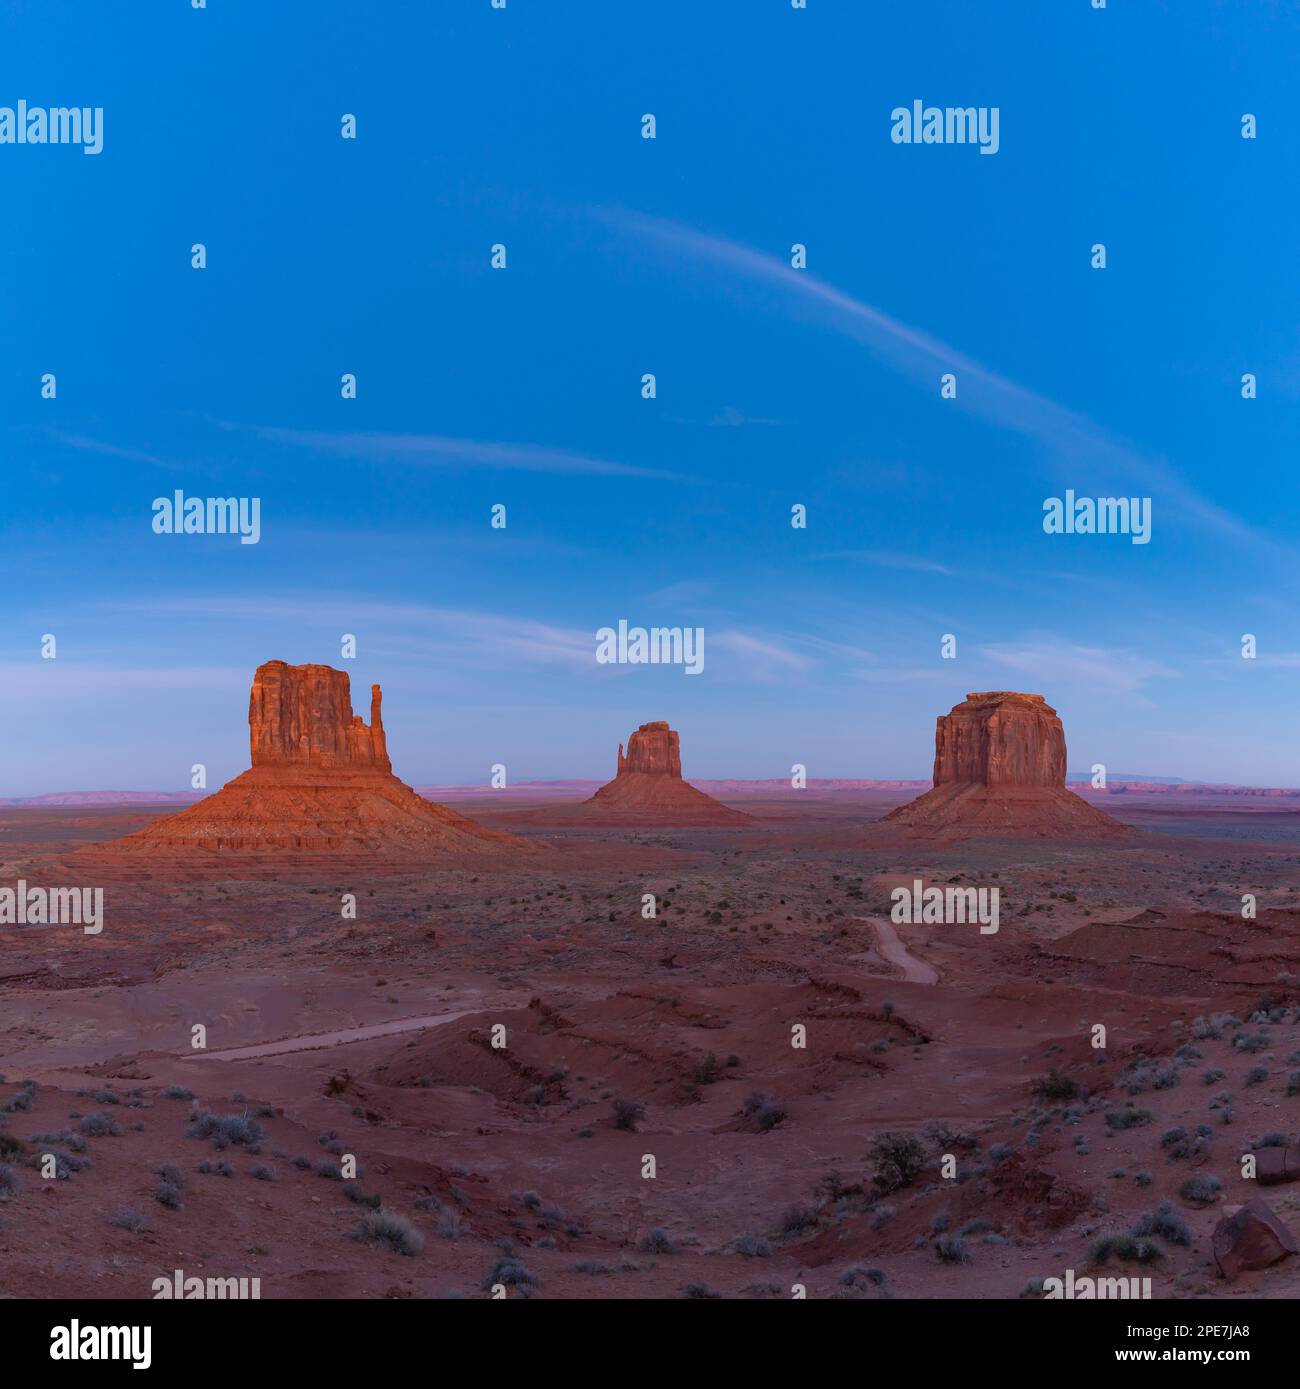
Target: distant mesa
x=321 y=780
x=999 y=770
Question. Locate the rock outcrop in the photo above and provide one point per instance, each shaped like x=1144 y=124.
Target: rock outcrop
x=999 y=770
x=321 y=782
x=1250 y=1237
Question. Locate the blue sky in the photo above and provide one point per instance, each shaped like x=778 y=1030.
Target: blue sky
x=670 y=256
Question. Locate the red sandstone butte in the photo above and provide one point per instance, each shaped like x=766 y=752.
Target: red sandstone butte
x=999 y=770
x=321 y=781
x=648 y=787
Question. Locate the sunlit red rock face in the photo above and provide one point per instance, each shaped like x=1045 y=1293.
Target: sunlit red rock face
x=649 y=787
x=999 y=769
x=321 y=781
x=302 y=715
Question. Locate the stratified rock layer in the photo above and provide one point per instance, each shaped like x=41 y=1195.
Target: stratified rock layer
x=321 y=781
x=302 y=716
x=999 y=770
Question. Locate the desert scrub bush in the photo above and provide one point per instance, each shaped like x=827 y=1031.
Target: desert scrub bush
x=899 y=1160
x=510 y=1272
x=1212 y=1076
x=449 y=1223
x=657 y=1242
x=708 y=1071
x=763 y=1110
x=1165 y=1222
x=225 y=1130
x=1292 y=1086
x=1257 y=1075
x=1128 y=1118
x=700 y=1292
x=263 y=1173
x=128 y=1219
x=628 y=1114
x=101 y=1125
x=168 y=1195
x=65 y=1164
x=216 y=1169
x=796 y=1219
x=8 y=1181
x=753 y=1247
x=1200 y=1191
x=1148 y=1074
x=74 y=1140
x=1251 y=1042
x=177 y=1092
x=390 y=1230
x=856 y=1276
x=1126 y=1247
x=1143 y=1178
x=952 y=1249
x=1056 y=1088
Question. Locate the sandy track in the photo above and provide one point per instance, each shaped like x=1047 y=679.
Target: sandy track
x=316 y=1041
x=915 y=971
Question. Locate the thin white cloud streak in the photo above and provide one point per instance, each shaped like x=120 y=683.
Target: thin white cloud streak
x=81 y=441
x=996 y=398
x=888 y=559
x=431 y=631
x=1119 y=671
x=465 y=637
x=437 y=449
x=762 y=653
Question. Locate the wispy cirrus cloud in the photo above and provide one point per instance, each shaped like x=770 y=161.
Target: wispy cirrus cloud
x=454 y=635
x=89 y=445
x=760 y=653
x=889 y=559
x=445 y=451
x=1119 y=670
x=1068 y=435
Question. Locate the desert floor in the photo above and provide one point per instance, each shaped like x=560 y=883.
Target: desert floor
x=373 y=1038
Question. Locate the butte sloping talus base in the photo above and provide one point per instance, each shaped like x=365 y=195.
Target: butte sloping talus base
x=321 y=783
x=999 y=772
